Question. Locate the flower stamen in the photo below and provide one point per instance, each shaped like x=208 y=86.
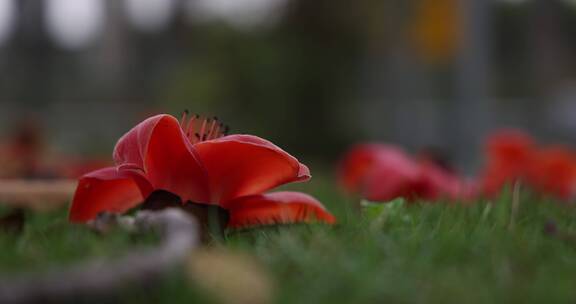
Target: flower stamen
x=199 y=129
x=183 y=119
x=190 y=126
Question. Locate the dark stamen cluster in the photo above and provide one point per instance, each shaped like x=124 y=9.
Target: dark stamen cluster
x=198 y=128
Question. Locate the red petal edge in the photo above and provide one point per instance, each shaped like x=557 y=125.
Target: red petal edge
x=103 y=190
x=277 y=208
x=160 y=150
x=242 y=165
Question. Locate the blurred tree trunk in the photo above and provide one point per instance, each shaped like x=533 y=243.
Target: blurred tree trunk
x=548 y=59
x=471 y=115
x=28 y=56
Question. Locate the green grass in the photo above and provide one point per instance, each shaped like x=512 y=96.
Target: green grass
x=395 y=253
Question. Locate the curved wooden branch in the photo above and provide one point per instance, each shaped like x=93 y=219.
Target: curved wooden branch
x=101 y=277
x=36 y=194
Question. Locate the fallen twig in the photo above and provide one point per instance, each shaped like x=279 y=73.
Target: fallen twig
x=100 y=277
x=36 y=194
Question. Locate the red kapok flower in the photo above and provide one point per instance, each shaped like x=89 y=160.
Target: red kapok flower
x=509 y=154
x=381 y=172
x=196 y=161
x=378 y=172
x=553 y=171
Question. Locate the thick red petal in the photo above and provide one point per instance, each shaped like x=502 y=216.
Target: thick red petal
x=277 y=208
x=379 y=172
x=133 y=146
x=160 y=149
x=241 y=165
x=103 y=190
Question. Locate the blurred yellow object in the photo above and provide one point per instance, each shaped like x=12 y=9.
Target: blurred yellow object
x=230 y=277
x=36 y=194
x=435 y=29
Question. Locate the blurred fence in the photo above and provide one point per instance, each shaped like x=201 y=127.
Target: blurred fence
x=313 y=76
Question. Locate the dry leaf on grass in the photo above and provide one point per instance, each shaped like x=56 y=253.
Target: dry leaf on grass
x=230 y=277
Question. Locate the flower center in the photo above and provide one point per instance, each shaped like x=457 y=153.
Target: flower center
x=212 y=218
x=198 y=128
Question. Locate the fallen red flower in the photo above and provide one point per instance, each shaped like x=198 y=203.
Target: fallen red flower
x=381 y=172
x=553 y=171
x=509 y=155
x=196 y=161
x=378 y=172
x=513 y=156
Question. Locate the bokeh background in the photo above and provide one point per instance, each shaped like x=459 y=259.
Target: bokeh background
x=311 y=76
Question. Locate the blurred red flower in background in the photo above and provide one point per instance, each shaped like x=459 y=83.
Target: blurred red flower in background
x=513 y=156
x=195 y=160
x=552 y=171
x=509 y=153
x=380 y=172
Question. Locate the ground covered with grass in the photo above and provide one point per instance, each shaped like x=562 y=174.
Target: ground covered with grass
x=396 y=252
